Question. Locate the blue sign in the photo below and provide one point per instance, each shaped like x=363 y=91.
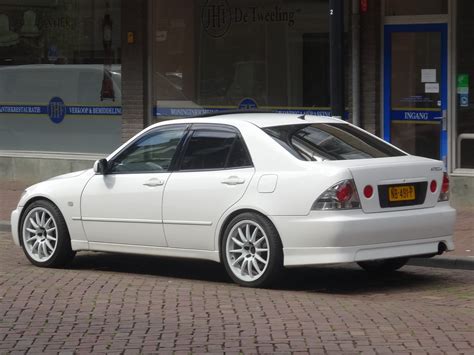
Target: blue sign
x=248 y=104
x=24 y=109
x=464 y=100
x=198 y=111
x=56 y=110
x=406 y=115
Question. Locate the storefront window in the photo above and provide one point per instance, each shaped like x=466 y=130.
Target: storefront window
x=60 y=75
x=213 y=55
x=464 y=135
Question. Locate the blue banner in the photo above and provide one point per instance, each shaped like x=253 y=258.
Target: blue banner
x=56 y=110
x=198 y=111
x=70 y=110
x=25 y=109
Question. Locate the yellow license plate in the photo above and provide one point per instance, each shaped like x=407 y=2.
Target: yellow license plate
x=401 y=193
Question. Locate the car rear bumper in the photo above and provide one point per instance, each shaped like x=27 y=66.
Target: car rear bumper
x=14 y=221
x=346 y=236
x=331 y=255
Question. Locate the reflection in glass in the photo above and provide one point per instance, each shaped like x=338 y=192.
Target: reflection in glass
x=240 y=54
x=62 y=56
x=416 y=92
x=464 y=135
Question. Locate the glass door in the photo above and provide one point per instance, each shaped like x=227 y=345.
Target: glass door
x=415 y=88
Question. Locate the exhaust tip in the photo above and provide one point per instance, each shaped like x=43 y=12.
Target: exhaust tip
x=442 y=248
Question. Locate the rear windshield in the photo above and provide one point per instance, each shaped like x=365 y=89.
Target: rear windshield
x=330 y=141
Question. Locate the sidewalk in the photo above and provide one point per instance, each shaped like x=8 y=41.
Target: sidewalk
x=463 y=235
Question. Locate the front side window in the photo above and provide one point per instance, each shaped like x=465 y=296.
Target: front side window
x=330 y=141
x=151 y=153
x=213 y=149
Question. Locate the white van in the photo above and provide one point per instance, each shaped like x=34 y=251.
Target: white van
x=47 y=107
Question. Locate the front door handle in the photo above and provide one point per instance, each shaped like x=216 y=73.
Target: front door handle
x=154 y=183
x=233 y=180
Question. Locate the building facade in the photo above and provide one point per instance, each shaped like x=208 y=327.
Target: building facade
x=77 y=77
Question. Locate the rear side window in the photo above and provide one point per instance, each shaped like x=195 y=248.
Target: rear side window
x=214 y=149
x=330 y=141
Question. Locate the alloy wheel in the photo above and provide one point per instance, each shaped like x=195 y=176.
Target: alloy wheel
x=247 y=250
x=40 y=234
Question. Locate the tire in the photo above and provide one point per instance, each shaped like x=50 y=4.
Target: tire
x=44 y=235
x=243 y=246
x=383 y=266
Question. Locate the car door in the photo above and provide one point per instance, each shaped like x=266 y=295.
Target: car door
x=124 y=205
x=213 y=173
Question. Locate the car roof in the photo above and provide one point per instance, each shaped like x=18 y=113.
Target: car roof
x=261 y=120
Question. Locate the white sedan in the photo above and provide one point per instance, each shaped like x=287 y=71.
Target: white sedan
x=257 y=192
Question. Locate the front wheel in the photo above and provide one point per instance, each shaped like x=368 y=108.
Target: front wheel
x=44 y=235
x=383 y=265
x=252 y=250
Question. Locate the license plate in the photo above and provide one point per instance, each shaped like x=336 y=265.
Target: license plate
x=401 y=193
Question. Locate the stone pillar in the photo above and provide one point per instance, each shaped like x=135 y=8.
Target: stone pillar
x=134 y=67
x=370 y=59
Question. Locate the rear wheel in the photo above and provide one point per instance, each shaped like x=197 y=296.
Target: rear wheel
x=252 y=250
x=44 y=235
x=383 y=265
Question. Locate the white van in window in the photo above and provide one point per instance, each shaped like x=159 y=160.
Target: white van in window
x=65 y=108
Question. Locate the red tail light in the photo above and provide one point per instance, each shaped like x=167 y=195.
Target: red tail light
x=433 y=186
x=342 y=195
x=344 y=192
x=444 y=195
x=368 y=191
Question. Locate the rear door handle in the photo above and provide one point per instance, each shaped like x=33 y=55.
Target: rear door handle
x=233 y=180
x=154 y=183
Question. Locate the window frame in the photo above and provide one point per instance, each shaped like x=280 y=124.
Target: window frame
x=150 y=132
x=214 y=128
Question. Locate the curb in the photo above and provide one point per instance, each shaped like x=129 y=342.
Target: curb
x=442 y=262
x=445 y=262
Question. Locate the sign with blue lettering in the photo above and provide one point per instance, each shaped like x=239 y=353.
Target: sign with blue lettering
x=57 y=110
x=159 y=111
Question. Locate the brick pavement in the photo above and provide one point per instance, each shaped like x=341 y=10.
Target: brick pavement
x=106 y=303
x=463 y=236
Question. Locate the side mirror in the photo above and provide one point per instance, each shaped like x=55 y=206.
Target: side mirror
x=100 y=166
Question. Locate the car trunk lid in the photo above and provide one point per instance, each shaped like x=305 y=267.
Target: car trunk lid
x=399 y=183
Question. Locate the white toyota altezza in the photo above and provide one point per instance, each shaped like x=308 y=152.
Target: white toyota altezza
x=257 y=192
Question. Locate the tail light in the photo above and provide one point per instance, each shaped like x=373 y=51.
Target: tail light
x=444 y=194
x=341 y=196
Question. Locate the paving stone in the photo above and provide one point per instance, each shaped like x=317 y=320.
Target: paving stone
x=106 y=303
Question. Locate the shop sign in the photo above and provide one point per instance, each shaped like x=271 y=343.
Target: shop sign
x=418 y=115
x=217 y=16
x=248 y=104
x=57 y=110
x=245 y=104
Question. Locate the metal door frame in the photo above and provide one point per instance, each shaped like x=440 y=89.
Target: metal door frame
x=442 y=28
